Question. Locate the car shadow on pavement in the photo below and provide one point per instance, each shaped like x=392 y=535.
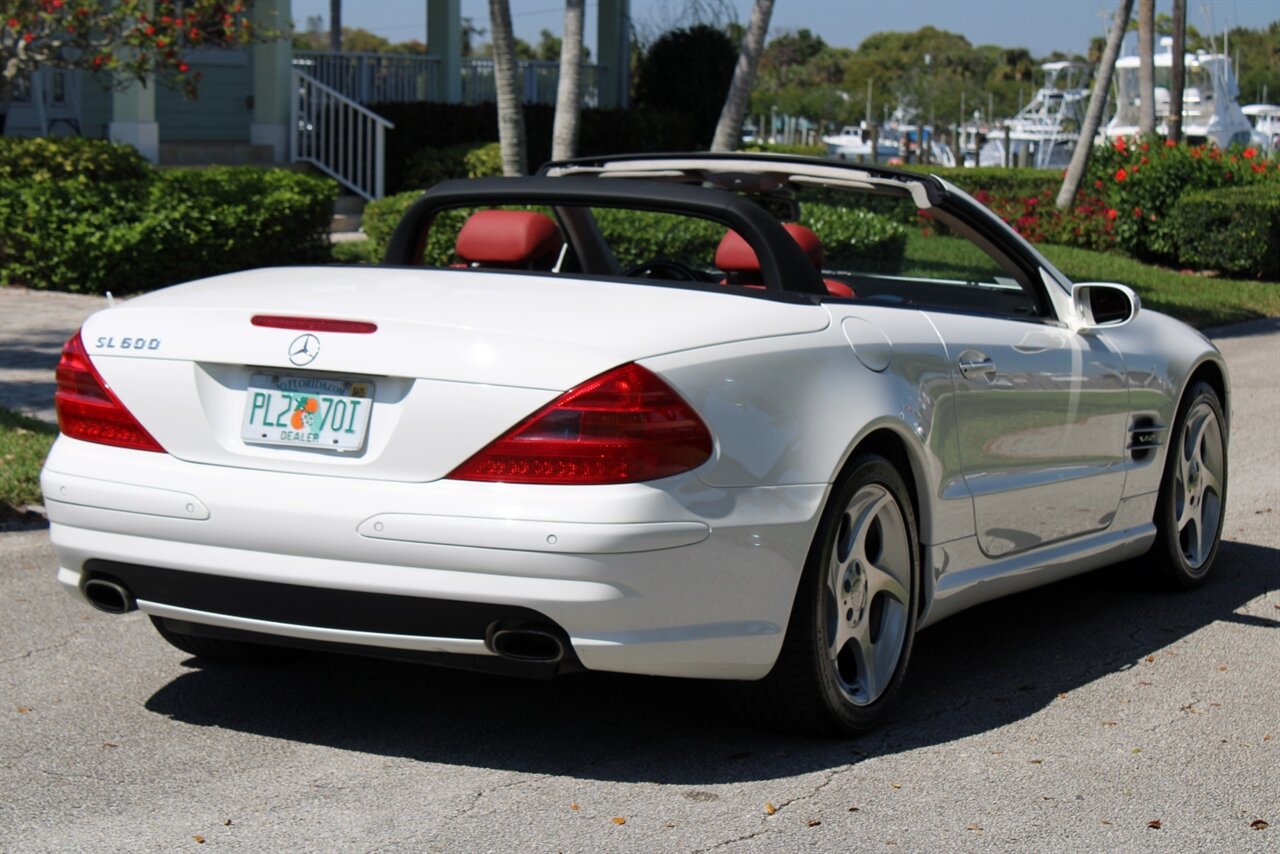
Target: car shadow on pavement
x=983 y=669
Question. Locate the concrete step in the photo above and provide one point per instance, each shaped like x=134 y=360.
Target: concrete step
x=348 y=214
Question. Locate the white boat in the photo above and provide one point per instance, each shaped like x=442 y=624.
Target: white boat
x=1044 y=132
x=853 y=142
x=1210 y=109
x=1265 y=119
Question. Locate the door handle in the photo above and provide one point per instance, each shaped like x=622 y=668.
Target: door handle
x=974 y=364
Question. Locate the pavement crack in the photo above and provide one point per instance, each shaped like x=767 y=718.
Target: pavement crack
x=38 y=650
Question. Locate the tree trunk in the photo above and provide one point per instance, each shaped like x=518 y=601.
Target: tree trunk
x=1147 y=68
x=1097 y=104
x=564 y=130
x=729 y=129
x=1179 y=71
x=335 y=25
x=507 y=84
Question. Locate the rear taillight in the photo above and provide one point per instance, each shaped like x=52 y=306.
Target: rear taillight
x=89 y=410
x=624 y=426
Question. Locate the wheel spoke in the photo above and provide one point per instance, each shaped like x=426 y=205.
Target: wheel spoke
x=870 y=679
x=840 y=637
x=880 y=581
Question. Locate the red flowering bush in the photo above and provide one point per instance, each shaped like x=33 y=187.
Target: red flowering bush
x=1141 y=182
x=120 y=41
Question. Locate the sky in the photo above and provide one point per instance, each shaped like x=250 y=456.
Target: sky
x=1042 y=26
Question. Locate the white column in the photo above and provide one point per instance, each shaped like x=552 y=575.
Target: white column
x=133 y=118
x=272 y=84
x=444 y=42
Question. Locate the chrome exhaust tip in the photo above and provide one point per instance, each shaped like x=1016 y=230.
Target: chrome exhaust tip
x=108 y=596
x=526 y=644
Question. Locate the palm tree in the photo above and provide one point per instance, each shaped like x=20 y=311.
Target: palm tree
x=729 y=128
x=564 y=130
x=1097 y=103
x=507 y=85
x=1146 y=67
x=335 y=25
x=1178 y=69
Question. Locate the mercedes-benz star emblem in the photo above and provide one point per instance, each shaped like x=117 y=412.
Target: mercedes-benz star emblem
x=304 y=349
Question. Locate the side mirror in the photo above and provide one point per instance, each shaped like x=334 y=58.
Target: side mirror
x=1100 y=305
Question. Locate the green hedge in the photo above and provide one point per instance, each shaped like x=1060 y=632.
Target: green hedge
x=1235 y=230
x=173 y=226
x=854 y=239
x=84 y=160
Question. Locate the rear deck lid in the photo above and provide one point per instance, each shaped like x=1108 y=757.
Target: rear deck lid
x=446 y=360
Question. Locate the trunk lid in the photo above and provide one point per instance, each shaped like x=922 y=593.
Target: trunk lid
x=458 y=357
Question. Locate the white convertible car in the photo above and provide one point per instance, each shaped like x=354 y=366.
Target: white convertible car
x=652 y=414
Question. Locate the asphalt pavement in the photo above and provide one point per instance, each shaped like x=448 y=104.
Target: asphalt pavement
x=1089 y=715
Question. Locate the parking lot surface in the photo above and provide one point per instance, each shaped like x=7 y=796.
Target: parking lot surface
x=1089 y=715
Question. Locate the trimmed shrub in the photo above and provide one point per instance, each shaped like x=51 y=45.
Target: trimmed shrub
x=640 y=236
x=483 y=161
x=71 y=158
x=381 y=217
x=1235 y=230
x=779 y=148
x=856 y=239
x=428 y=166
x=1140 y=183
x=133 y=236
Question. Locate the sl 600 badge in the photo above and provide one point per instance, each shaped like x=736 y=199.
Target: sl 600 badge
x=127 y=343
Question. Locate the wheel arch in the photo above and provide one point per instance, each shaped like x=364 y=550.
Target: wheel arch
x=904 y=454
x=1211 y=371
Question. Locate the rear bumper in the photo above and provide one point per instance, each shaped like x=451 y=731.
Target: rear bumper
x=670 y=578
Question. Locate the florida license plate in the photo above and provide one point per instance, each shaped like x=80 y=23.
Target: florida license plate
x=309 y=412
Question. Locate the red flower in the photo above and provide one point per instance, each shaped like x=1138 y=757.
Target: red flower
x=1145 y=147
x=1121 y=175
x=183 y=68
x=1196 y=152
x=14 y=23
x=1120 y=144
x=1144 y=161
x=1258 y=167
x=1250 y=153
x=1168 y=143
x=1111 y=213
x=28 y=37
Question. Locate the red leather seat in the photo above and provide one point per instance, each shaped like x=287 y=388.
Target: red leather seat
x=738 y=261
x=514 y=240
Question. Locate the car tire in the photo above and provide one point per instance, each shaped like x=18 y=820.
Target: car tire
x=1193 y=493
x=220 y=649
x=853 y=622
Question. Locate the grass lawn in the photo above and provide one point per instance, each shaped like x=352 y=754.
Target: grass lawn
x=24 y=442
x=1200 y=301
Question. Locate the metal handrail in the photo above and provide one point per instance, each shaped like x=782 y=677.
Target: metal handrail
x=338 y=136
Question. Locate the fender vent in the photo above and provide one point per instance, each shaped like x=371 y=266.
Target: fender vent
x=1145 y=435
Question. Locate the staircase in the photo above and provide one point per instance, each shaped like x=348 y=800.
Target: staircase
x=338 y=136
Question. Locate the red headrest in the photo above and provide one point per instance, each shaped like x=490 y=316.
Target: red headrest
x=507 y=238
x=735 y=255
